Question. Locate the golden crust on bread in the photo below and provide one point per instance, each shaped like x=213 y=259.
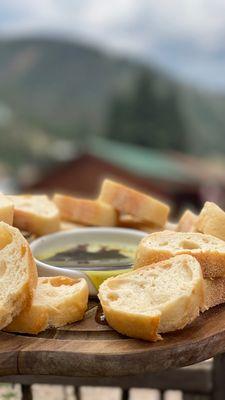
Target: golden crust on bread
x=85 y=211
x=211 y=220
x=214 y=292
x=136 y=326
x=135 y=203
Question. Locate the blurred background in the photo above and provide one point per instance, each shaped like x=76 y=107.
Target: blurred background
x=131 y=89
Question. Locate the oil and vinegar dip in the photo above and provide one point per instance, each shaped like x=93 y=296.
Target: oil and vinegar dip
x=91 y=256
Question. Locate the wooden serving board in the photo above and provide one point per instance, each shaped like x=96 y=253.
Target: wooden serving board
x=87 y=348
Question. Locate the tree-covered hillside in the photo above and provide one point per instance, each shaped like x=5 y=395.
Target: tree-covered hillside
x=65 y=89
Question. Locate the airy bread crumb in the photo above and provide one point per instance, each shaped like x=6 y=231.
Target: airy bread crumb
x=158 y=298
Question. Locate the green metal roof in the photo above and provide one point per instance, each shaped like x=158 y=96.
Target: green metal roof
x=146 y=162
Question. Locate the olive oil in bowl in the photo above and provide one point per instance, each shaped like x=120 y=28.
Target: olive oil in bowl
x=94 y=256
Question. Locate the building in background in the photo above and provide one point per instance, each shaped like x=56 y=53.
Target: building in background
x=182 y=180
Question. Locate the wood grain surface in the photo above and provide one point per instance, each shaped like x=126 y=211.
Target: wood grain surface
x=88 y=349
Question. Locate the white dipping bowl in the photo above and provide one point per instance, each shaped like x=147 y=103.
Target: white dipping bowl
x=52 y=243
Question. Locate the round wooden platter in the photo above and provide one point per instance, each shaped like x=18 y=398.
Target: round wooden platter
x=87 y=348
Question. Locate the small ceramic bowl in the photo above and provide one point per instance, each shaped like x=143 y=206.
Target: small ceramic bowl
x=51 y=243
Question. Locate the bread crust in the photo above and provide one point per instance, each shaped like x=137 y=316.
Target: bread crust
x=31 y=320
x=135 y=203
x=136 y=326
x=33 y=275
x=211 y=220
x=85 y=211
x=214 y=292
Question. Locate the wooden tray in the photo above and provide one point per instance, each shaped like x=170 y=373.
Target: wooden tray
x=87 y=348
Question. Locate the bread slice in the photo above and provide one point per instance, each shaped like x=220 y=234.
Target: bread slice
x=35 y=213
x=214 y=292
x=18 y=274
x=57 y=301
x=128 y=221
x=155 y=299
x=84 y=211
x=6 y=209
x=187 y=222
x=207 y=249
x=133 y=202
x=211 y=220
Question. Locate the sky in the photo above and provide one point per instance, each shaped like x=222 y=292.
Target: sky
x=185 y=37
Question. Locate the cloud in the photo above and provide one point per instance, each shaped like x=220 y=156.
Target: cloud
x=202 y=22
x=21 y=16
x=170 y=32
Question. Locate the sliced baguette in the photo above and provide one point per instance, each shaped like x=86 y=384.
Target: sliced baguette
x=18 y=274
x=36 y=214
x=57 y=301
x=84 y=211
x=207 y=249
x=211 y=220
x=6 y=209
x=133 y=202
x=155 y=299
x=187 y=222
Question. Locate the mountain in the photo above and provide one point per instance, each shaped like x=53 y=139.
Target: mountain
x=56 y=88
x=60 y=85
